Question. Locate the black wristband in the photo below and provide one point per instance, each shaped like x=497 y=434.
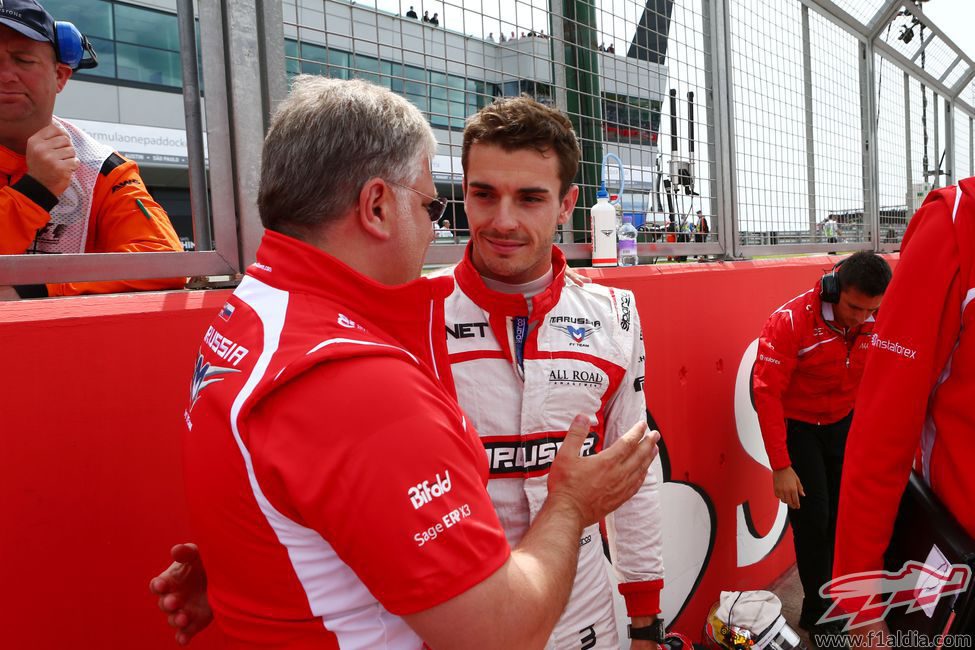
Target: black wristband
x=652 y=632
x=33 y=190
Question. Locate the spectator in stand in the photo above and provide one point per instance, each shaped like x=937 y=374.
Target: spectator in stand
x=411 y=13
x=491 y=36
x=602 y=47
x=513 y=37
x=502 y=38
x=426 y=16
x=435 y=21
x=542 y=34
x=62 y=191
x=611 y=49
x=522 y=35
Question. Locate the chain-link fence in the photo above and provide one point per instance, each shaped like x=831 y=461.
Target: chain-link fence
x=741 y=127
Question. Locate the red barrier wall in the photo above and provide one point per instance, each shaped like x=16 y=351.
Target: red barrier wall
x=94 y=387
x=93 y=391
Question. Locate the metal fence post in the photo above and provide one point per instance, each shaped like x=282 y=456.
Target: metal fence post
x=194 y=125
x=253 y=50
x=909 y=190
x=584 y=101
x=871 y=176
x=810 y=140
x=273 y=77
x=936 y=170
x=557 y=18
x=213 y=46
x=949 y=169
x=721 y=129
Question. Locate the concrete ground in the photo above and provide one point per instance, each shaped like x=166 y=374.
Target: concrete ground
x=789 y=591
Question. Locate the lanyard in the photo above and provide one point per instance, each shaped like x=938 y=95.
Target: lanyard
x=520 y=334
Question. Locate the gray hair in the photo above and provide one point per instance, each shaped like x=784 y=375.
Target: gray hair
x=327 y=139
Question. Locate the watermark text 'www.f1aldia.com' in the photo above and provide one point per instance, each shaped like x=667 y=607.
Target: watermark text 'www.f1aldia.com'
x=898 y=639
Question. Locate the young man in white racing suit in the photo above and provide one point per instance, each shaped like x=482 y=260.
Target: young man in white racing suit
x=528 y=349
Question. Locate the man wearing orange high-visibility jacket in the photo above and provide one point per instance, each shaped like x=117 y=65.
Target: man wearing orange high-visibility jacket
x=61 y=191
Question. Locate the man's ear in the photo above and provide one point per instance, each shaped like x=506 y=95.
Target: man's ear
x=376 y=208
x=62 y=73
x=568 y=204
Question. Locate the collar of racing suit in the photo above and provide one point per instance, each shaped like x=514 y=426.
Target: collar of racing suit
x=411 y=314
x=507 y=304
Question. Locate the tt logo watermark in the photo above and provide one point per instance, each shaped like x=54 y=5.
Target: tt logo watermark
x=860 y=599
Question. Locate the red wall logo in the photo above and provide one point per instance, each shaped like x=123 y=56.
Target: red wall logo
x=864 y=598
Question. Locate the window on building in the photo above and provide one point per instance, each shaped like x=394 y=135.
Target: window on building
x=416 y=87
x=448 y=102
x=446 y=99
x=95 y=20
x=291 y=64
x=133 y=43
x=479 y=94
x=630 y=119
x=313 y=59
x=539 y=91
x=365 y=68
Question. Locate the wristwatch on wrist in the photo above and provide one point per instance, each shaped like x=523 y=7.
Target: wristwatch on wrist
x=652 y=632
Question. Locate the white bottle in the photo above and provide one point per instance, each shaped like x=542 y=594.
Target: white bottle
x=603 y=216
x=626 y=238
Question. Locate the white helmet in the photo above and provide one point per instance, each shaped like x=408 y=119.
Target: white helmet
x=749 y=620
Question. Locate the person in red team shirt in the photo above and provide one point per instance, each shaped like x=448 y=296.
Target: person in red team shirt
x=918 y=387
x=810 y=359
x=335 y=488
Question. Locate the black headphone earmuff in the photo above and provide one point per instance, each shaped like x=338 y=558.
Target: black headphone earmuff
x=829 y=285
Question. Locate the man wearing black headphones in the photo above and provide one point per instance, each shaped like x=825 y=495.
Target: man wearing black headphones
x=61 y=191
x=810 y=359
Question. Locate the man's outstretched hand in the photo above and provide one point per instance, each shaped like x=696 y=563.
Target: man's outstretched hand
x=597 y=485
x=182 y=591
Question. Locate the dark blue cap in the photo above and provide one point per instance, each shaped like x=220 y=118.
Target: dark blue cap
x=28 y=18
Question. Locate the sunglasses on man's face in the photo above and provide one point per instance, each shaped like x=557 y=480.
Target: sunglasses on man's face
x=437 y=205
